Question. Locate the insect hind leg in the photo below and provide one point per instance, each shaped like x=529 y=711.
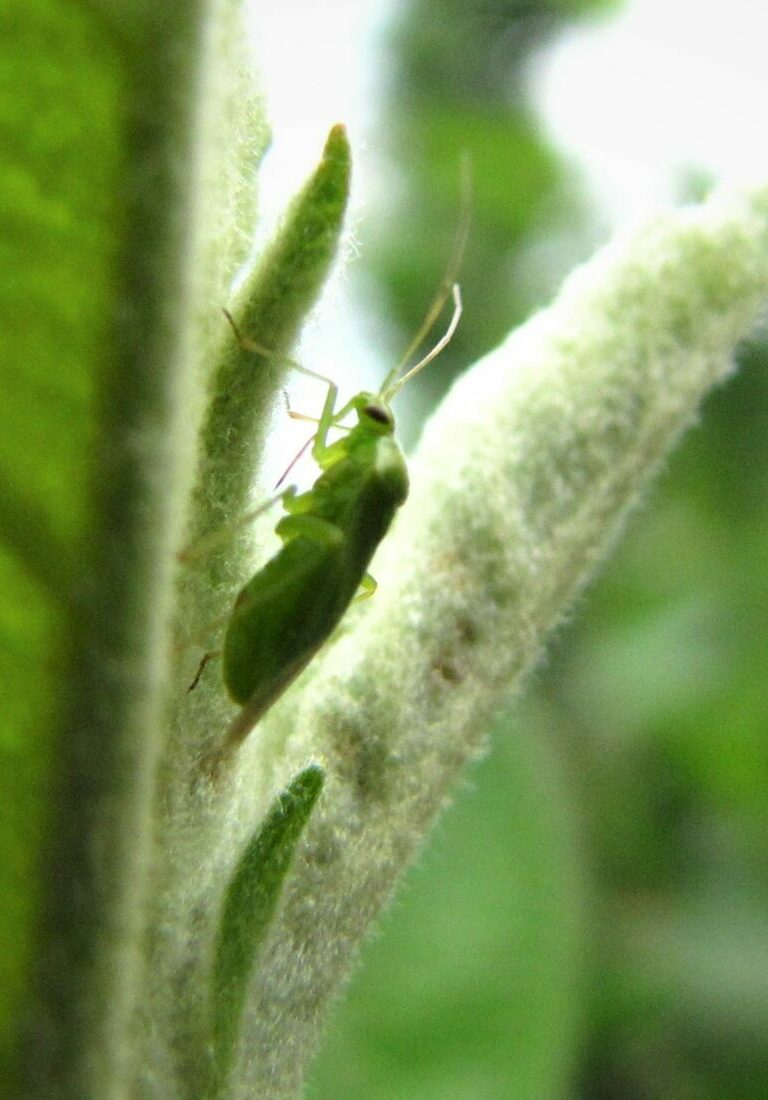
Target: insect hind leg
x=368 y=586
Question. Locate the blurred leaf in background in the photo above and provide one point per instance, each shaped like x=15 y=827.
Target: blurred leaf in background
x=662 y=684
x=475 y=987
x=458 y=91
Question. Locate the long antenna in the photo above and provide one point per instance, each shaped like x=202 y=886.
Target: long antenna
x=443 y=342
x=446 y=289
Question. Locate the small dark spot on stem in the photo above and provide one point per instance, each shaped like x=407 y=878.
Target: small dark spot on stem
x=200 y=669
x=447 y=669
x=467 y=631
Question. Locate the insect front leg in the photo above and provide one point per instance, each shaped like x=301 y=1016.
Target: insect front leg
x=327 y=416
x=326 y=419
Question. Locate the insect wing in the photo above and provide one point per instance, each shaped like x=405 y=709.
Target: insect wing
x=279 y=619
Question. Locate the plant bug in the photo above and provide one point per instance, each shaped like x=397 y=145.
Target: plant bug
x=289 y=608
x=282 y=616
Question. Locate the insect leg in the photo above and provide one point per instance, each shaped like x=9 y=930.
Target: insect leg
x=307 y=526
x=368 y=586
x=325 y=420
x=210 y=541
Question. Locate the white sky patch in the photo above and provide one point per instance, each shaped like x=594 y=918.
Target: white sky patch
x=318 y=65
x=658 y=90
x=660 y=87
x=319 y=62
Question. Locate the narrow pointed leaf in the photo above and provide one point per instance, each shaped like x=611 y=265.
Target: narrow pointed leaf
x=250 y=904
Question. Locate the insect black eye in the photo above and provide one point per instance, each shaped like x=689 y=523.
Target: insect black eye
x=381 y=416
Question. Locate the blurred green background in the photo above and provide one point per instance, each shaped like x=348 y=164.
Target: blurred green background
x=590 y=919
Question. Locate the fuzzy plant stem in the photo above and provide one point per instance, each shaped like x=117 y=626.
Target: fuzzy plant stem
x=521 y=485
x=187 y=160
x=99 y=855
x=198 y=846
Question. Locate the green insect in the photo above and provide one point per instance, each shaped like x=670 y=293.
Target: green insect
x=284 y=614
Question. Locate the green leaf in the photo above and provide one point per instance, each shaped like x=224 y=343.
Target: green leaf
x=250 y=905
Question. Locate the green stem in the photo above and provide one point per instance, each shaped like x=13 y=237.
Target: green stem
x=100 y=849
